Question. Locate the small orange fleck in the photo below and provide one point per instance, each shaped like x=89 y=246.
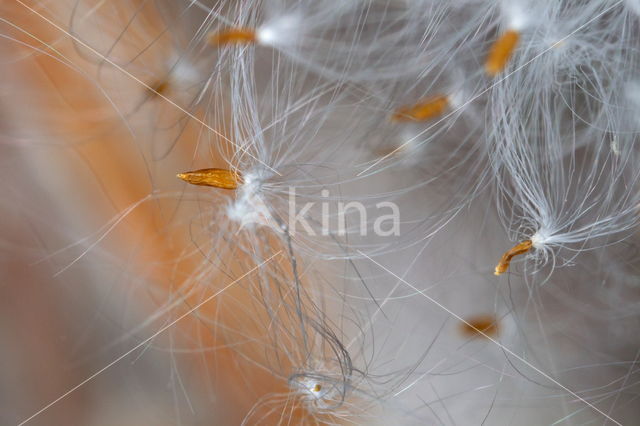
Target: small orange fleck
x=232 y=36
x=480 y=325
x=501 y=52
x=218 y=178
x=425 y=110
x=317 y=388
x=516 y=250
x=159 y=88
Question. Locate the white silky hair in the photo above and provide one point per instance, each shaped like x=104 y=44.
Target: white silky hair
x=365 y=328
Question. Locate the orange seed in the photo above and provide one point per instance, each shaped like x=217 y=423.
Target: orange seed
x=501 y=52
x=479 y=326
x=232 y=36
x=218 y=178
x=429 y=108
x=516 y=250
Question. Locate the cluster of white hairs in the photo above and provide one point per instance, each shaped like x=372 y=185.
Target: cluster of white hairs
x=363 y=166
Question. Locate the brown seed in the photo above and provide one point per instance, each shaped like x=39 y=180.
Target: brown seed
x=232 y=36
x=521 y=248
x=159 y=88
x=480 y=325
x=501 y=52
x=217 y=178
